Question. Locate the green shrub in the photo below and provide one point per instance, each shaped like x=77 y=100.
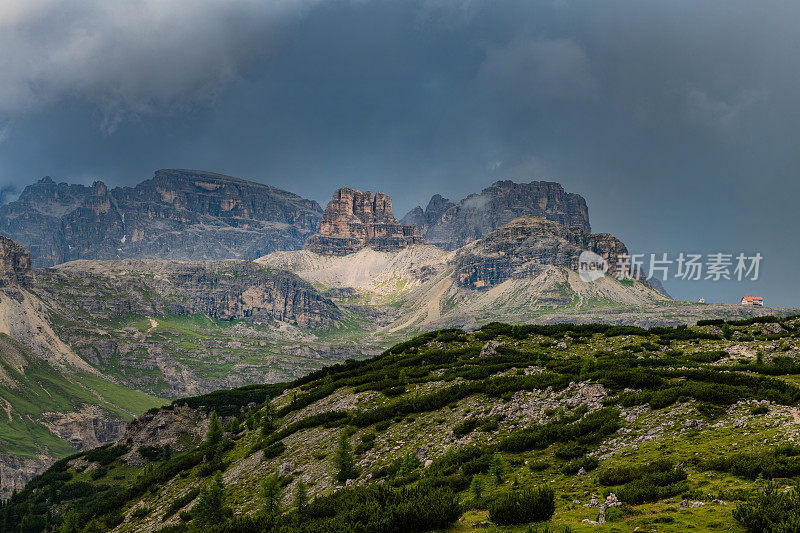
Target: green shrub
x=574 y=466
x=274 y=450
x=523 y=506
x=366 y=444
x=105 y=455
x=181 y=502
x=538 y=466
x=155 y=453
x=614 y=513
x=466 y=427
x=569 y=450
x=646 y=490
x=770 y=511
x=780 y=462
x=659 y=472
x=140 y=512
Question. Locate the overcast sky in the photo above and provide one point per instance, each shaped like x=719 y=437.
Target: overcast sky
x=678 y=121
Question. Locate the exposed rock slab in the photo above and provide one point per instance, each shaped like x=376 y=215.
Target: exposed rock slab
x=85 y=429
x=15 y=264
x=16 y=471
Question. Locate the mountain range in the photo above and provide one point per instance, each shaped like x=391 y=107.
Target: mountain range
x=177 y=214
x=197 y=215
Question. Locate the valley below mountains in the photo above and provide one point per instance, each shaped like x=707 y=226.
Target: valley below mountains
x=115 y=301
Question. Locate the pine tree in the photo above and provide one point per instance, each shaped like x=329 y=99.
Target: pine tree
x=477 y=486
x=214 y=435
x=300 y=497
x=268 y=420
x=497 y=468
x=271 y=493
x=235 y=426
x=210 y=508
x=344 y=461
x=72 y=522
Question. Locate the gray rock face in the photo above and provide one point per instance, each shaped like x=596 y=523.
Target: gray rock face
x=16 y=471
x=15 y=264
x=451 y=225
x=85 y=429
x=220 y=289
x=167 y=427
x=525 y=247
x=178 y=214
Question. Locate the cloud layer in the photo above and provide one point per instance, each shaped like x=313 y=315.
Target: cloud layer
x=132 y=57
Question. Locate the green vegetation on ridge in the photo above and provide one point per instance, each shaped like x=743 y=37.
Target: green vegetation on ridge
x=666 y=428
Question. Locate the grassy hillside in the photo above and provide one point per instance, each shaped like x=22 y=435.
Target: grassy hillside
x=32 y=388
x=666 y=429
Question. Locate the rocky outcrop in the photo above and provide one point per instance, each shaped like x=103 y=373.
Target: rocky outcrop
x=15 y=264
x=178 y=214
x=227 y=290
x=451 y=225
x=525 y=247
x=354 y=220
x=177 y=426
x=16 y=471
x=85 y=429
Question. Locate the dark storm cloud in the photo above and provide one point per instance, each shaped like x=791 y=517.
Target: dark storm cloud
x=133 y=57
x=678 y=121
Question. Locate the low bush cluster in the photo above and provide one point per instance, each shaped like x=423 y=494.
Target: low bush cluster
x=780 y=462
x=376 y=509
x=770 y=511
x=523 y=506
x=646 y=482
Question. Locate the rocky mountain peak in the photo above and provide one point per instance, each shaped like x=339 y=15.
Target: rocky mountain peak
x=450 y=225
x=15 y=264
x=355 y=219
x=525 y=247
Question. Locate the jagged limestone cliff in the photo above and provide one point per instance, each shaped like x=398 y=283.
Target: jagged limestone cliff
x=354 y=220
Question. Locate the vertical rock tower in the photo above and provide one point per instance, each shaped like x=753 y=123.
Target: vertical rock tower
x=354 y=220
